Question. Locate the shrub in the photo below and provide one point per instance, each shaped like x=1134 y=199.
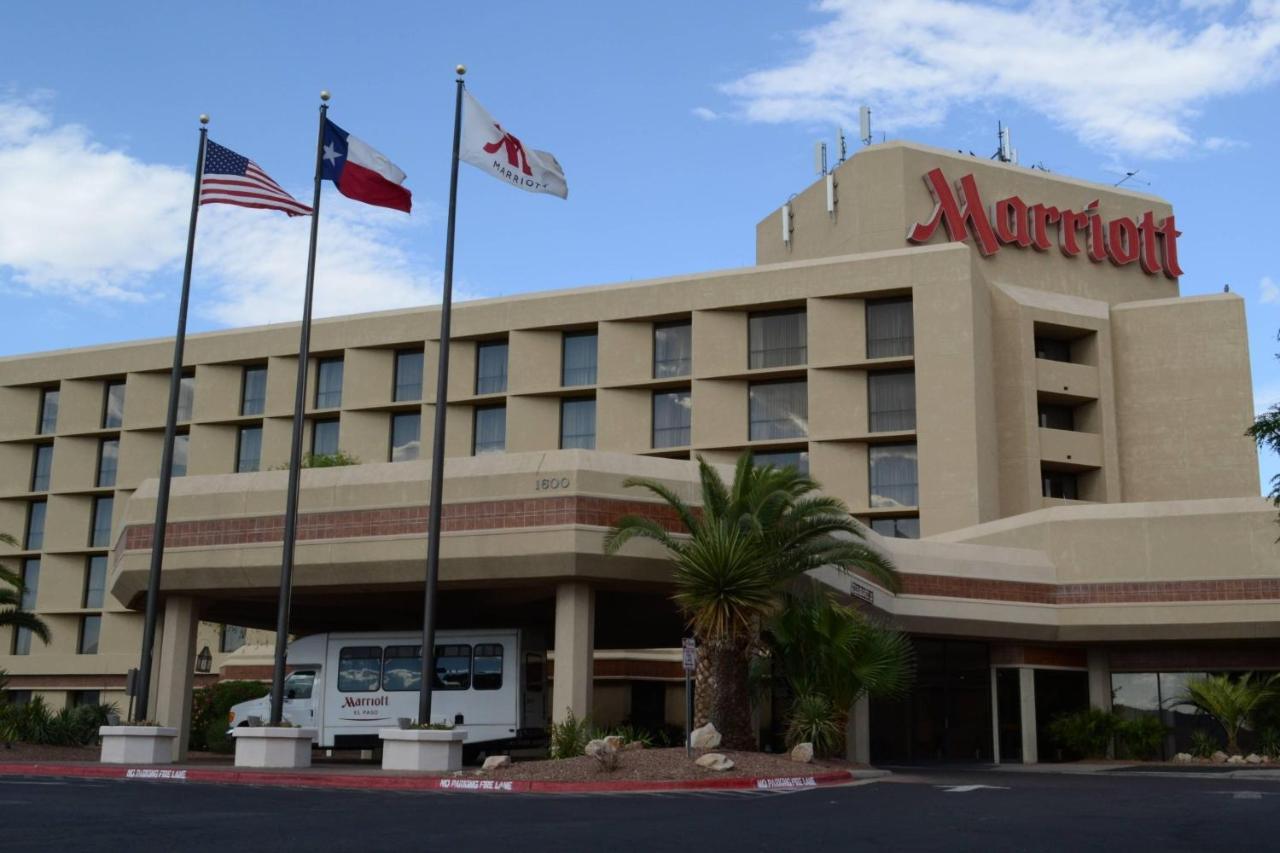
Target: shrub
x=1203 y=744
x=1269 y=742
x=569 y=737
x=209 y=708
x=35 y=723
x=1086 y=733
x=813 y=720
x=1141 y=737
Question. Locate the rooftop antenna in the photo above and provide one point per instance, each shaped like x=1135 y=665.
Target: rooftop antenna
x=820 y=158
x=840 y=142
x=1131 y=175
x=1006 y=153
x=864 y=125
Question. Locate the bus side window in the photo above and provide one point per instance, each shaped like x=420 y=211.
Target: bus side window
x=359 y=669
x=486 y=670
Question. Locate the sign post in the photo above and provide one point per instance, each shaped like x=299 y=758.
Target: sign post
x=689 y=648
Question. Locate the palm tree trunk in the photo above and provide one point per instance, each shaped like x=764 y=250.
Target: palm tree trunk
x=722 y=694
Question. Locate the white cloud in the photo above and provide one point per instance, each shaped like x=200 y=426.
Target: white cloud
x=1269 y=290
x=1131 y=78
x=705 y=113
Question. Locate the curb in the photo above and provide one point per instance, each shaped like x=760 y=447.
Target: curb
x=430 y=783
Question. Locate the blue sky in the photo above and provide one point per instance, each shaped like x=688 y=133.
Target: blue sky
x=679 y=125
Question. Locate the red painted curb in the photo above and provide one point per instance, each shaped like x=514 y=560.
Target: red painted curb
x=416 y=783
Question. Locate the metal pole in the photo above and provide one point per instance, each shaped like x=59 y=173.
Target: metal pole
x=166 y=457
x=295 y=450
x=437 y=442
x=688 y=715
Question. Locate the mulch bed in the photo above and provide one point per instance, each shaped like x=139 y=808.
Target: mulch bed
x=25 y=752
x=668 y=764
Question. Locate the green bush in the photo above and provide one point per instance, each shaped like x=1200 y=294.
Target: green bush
x=813 y=720
x=35 y=723
x=1203 y=744
x=209 y=708
x=569 y=737
x=1269 y=742
x=1085 y=733
x=1141 y=737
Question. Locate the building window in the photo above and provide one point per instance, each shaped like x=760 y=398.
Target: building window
x=233 y=637
x=408 y=375
x=329 y=383
x=186 y=397
x=253 y=391
x=579 y=360
x=90 y=628
x=27 y=601
x=490 y=432
x=108 y=459
x=777 y=338
x=798 y=459
x=1057 y=417
x=80 y=698
x=48 y=411
x=1059 y=484
x=890 y=328
x=778 y=410
x=34 y=540
x=41 y=466
x=672 y=416
x=95 y=582
x=249 y=449
x=894 y=481
x=100 y=533
x=324 y=438
x=907 y=527
x=1053 y=349
x=181 y=452
x=578 y=423
x=672 y=349
x=891 y=400
x=491 y=367
x=406 y=436
x=113 y=405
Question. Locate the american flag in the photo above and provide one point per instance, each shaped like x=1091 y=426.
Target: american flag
x=230 y=178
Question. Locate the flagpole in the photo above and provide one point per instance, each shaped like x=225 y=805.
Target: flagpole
x=437 y=441
x=295 y=450
x=143 y=685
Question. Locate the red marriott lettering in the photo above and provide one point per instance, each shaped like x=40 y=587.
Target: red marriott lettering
x=1012 y=221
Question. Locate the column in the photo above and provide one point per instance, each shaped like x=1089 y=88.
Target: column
x=995 y=715
x=1027 y=696
x=1099 y=678
x=857 y=734
x=574 y=646
x=175 y=671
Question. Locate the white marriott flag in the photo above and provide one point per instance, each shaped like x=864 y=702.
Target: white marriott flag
x=490 y=148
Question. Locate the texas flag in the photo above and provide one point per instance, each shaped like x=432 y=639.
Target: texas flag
x=362 y=173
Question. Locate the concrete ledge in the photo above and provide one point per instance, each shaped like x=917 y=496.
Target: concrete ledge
x=422 y=750
x=272 y=746
x=138 y=744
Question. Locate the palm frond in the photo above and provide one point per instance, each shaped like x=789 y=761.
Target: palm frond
x=22 y=619
x=687 y=516
x=630 y=526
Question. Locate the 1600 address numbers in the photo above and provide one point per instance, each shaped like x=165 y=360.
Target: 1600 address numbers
x=550 y=484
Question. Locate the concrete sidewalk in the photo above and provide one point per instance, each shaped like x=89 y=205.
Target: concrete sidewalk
x=1184 y=771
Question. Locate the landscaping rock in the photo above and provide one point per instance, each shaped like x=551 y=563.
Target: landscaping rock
x=1182 y=758
x=1218 y=757
x=704 y=737
x=802 y=752
x=493 y=762
x=1253 y=758
x=1236 y=759
x=714 y=761
x=595 y=747
x=632 y=745
x=614 y=742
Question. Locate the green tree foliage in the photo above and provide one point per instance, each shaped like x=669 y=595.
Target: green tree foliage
x=11 y=612
x=36 y=723
x=210 y=707
x=1231 y=702
x=1086 y=733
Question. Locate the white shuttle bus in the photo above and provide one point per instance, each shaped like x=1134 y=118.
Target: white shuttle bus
x=349 y=685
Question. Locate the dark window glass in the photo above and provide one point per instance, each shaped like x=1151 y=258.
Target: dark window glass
x=897 y=528
x=778 y=410
x=777 y=338
x=329 y=383
x=100 y=535
x=181 y=451
x=41 y=467
x=1057 y=417
x=34 y=539
x=324 y=438
x=406 y=436
x=491 y=367
x=359 y=669
x=78 y=698
x=95 y=581
x=16 y=698
x=27 y=600
x=672 y=349
x=1053 y=349
x=890 y=328
x=108 y=459
x=408 y=375
x=672 y=417
x=402 y=668
x=90 y=627
x=249 y=452
x=186 y=397
x=487 y=671
x=579 y=364
x=299 y=685
x=894 y=481
x=253 y=394
x=578 y=424
x=1059 y=484
x=891 y=400
x=490 y=435
x=453 y=667
x=798 y=459
x=113 y=406
x=233 y=637
x=48 y=411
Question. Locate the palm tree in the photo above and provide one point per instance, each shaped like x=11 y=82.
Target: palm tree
x=1231 y=703
x=739 y=550
x=11 y=612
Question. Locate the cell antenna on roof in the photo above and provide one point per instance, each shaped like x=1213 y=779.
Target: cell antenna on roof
x=820 y=158
x=864 y=125
x=1006 y=153
x=840 y=142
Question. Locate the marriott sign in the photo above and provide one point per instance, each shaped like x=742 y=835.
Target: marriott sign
x=1011 y=221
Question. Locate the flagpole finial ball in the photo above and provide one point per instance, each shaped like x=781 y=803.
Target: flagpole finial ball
x=324 y=94
x=204 y=118
x=461 y=69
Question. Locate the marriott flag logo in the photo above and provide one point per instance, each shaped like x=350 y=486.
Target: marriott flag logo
x=492 y=148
